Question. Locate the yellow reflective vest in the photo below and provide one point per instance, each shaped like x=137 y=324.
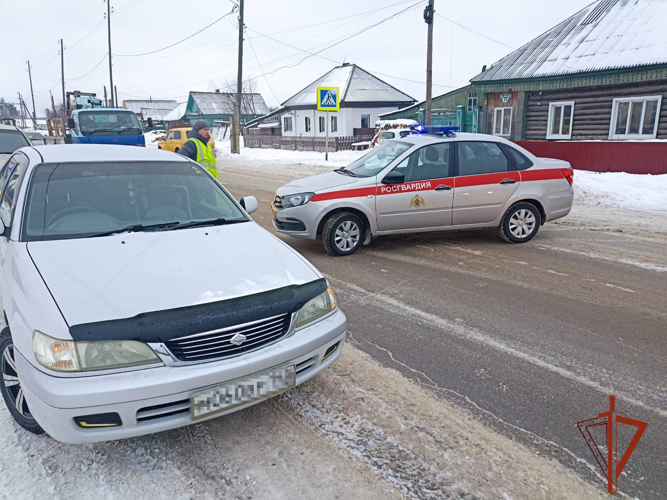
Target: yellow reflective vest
x=205 y=157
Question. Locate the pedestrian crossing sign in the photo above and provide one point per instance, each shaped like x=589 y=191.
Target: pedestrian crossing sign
x=327 y=99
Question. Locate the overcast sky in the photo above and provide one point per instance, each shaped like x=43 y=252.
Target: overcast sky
x=394 y=50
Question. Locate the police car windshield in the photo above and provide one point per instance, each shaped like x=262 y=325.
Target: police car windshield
x=381 y=156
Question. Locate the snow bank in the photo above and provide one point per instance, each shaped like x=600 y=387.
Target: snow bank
x=631 y=191
x=153 y=136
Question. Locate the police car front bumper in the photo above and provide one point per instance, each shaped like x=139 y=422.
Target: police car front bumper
x=299 y=222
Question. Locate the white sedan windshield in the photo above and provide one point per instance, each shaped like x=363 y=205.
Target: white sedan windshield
x=74 y=200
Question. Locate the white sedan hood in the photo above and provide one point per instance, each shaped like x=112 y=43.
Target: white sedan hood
x=105 y=278
x=316 y=183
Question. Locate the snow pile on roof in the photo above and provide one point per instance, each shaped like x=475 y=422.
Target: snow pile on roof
x=355 y=85
x=137 y=105
x=398 y=123
x=608 y=34
x=155 y=113
x=177 y=113
x=629 y=191
x=222 y=103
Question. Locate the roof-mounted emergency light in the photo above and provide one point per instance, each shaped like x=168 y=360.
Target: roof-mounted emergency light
x=448 y=130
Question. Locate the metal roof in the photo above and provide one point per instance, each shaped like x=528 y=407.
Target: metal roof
x=177 y=113
x=137 y=105
x=356 y=85
x=155 y=114
x=222 y=103
x=606 y=35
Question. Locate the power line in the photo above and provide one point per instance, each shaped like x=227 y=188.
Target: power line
x=342 y=18
x=176 y=61
x=316 y=53
x=92 y=69
x=181 y=41
x=473 y=31
x=261 y=69
x=87 y=19
x=130 y=5
x=87 y=35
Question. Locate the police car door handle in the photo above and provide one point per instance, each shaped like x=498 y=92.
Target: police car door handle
x=508 y=181
x=442 y=187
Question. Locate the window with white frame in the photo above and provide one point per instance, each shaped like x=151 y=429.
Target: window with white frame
x=472 y=101
x=635 y=117
x=287 y=124
x=560 y=120
x=322 y=123
x=334 y=124
x=307 y=123
x=502 y=121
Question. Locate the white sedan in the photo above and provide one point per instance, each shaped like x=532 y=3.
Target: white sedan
x=139 y=296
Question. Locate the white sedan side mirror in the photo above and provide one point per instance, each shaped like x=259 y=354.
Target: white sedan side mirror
x=249 y=203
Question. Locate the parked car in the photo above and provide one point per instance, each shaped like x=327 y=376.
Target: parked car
x=139 y=296
x=36 y=138
x=11 y=139
x=427 y=182
x=176 y=137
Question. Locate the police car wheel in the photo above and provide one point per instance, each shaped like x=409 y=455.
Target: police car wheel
x=10 y=386
x=520 y=223
x=343 y=234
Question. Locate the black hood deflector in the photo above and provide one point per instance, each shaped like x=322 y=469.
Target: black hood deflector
x=161 y=326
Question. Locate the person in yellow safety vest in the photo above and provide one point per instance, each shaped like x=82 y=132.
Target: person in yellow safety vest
x=196 y=148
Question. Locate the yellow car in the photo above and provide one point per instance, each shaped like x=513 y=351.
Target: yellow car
x=176 y=137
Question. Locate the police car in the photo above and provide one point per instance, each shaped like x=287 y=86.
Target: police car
x=431 y=180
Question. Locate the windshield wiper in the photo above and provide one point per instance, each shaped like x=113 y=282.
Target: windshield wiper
x=136 y=228
x=202 y=223
x=344 y=170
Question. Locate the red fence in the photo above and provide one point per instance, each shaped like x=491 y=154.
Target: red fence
x=631 y=157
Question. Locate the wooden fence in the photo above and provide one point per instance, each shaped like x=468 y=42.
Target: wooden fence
x=302 y=143
x=605 y=156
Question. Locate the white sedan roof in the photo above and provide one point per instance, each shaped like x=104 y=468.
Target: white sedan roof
x=100 y=152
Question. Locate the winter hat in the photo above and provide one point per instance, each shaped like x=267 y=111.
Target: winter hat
x=200 y=125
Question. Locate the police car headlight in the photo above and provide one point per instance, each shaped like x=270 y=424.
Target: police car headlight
x=70 y=356
x=296 y=200
x=316 y=308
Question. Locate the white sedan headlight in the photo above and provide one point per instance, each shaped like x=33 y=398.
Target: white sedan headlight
x=296 y=200
x=316 y=308
x=70 y=356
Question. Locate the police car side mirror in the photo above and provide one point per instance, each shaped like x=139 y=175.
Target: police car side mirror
x=394 y=177
x=249 y=204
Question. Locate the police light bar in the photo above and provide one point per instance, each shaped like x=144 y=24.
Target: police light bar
x=435 y=129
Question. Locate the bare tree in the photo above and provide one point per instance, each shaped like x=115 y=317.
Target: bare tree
x=8 y=109
x=248 y=104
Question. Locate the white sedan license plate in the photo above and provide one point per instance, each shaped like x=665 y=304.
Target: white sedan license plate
x=245 y=391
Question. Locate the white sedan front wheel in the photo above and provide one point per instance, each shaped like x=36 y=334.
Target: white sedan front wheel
x=520 y=223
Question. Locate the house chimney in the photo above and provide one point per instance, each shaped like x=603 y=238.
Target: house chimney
x=483 y=68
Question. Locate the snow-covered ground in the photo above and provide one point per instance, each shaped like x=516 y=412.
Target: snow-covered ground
x=631 y=191
x=153 y=136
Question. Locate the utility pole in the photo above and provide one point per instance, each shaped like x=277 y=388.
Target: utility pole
x=32 y=94
x=105 y=97
x=62 y=80
x=116 y=91
x=429 y=12
x=53 y=105
x=111 y=86
x=236 y=142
